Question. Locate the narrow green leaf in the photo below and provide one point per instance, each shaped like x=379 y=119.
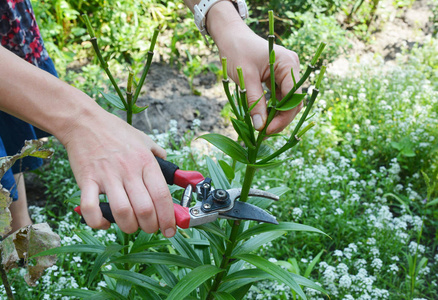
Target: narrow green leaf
x=307 y=283
x=248 y=273
x=228 y=170
x=167 y=275
x=113 y=295
x=138 y=279
x=276 y=271
x=192 y=280
x=269 y=165
x=400 y=201
x=158 y=258
x=87 y=238
x=80 y=248
x=147 y=294
x=215 y=241
x=183 y=247
x=264 y=151
x=124 y=287
x=257 y=102
x=433 y=202
x=85 y=294
x=283 y=226
x=312 y=264
x=102 y=258
x=236 y=285
x=241 y=292
x=217 y=174
x=255 y=243
x=420 y=265
x=138 y=109
x=227 y=145
x=141 y=239
x=213 y=228
x=290 y=103
x=114 y=100
x=223 y=296
x=242 y=131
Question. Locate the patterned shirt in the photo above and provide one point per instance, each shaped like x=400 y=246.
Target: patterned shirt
x=19 y=31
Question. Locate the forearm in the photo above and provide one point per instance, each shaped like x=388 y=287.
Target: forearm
x=39 y=98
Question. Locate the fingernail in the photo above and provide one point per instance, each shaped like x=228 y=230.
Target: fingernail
x=257 y=121
x=169 y=232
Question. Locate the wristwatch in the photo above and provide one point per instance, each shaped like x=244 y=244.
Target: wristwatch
x=204 y=6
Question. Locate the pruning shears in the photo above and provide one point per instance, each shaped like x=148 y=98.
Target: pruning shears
x=211 y=203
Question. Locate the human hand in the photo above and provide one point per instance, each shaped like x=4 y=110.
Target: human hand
x=109 y=156
x=244 y=48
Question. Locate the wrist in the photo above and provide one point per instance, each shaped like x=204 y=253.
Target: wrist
x=223 y=20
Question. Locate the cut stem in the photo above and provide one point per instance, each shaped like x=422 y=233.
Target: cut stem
x=102 y=61
x=146 y=66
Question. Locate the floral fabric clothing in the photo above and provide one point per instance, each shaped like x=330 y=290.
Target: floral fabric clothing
x=19 y=31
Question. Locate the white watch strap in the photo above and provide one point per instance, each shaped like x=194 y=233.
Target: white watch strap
x=201 y=10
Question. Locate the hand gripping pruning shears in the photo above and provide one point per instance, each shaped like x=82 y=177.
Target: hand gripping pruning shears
x=211 y=203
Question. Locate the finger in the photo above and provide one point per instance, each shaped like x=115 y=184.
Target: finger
x=155 y=149
x=142 y=204
x=159 y=192
x=254 y=91
x=121 y=207
x=283 y=119
x=90 y=209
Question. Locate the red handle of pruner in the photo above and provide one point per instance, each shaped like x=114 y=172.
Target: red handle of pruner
x=185 y=178
x=182 y=216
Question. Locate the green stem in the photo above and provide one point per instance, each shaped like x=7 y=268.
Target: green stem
x=318 y=53
x=143 y=75
x=244 y=103
x=272 y=75
x=5 y=280
x=129 y=99
x=147 y=66
x=303 y=118
x=231 y=244
x=102 y=61
x=294 y=138
x=226 y=84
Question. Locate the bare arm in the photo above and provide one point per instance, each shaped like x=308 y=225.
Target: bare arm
x=106 y=154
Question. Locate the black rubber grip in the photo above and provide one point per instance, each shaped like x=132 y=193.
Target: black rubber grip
x=168 y=169
x=106 y=212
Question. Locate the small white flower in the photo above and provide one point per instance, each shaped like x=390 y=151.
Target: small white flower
x=345 y=281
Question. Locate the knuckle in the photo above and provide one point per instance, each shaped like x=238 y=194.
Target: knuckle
x=145 y=211
x=161 y=194
x=123 y=211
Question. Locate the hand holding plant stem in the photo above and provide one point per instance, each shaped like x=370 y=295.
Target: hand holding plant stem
x=246 y=131
x=242 y=47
